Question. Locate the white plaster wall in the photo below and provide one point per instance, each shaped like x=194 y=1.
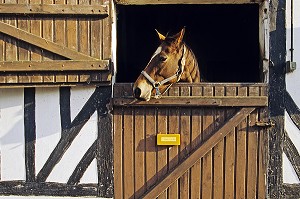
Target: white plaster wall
x=12 y=162
x=48 y=132
x=63 y=170
x=293 y=86
x=47 y=118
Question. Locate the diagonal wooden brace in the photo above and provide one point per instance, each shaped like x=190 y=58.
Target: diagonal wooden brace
x=178 y=171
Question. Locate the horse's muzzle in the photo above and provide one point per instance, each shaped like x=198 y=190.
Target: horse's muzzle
x=137 y=92
x=142 y=92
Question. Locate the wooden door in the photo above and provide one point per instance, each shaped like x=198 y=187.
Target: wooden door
x=63 y=44
x=222 y=148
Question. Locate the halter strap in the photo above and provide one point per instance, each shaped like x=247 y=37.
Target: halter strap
x=157 y=84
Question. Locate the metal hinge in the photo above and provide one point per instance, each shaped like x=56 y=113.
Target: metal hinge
x=265 y=124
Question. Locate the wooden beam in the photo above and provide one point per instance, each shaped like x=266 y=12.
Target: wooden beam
x=53 y=9
x=42 y=43
x=166 y=181
x=292 y=109
x=54 y=65
x=148 y=2
x=98 y=100
x=25 y=188
x=292 y=153
x=232 y=101
x=290 y=191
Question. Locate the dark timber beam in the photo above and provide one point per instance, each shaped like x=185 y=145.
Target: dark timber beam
x=277 y=89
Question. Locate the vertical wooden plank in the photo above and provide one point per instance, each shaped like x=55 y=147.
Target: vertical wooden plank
x=162 y=168
x=47 y=31
x=71 y=38
x=118 y=147
x=185 y=144
x=2 y=49
x=59 y=29
x=252 y=150
x=10 y=42
x=83 y=32
x=196 y=139
x=207 y=167
x=174 y=114
x=10 y=45
x=229 y=155
x=35 y=54
x=23 y=48
x=35 y=28
x=118 y=153
x=139 y=164
x=218 y=156
x=241 y=153
x=128 y=153
x=151 y=160
x=96 y=34
x=23 y=52
x=106 y=34
x=262 y=153
x=71 y=29
x=2 y=45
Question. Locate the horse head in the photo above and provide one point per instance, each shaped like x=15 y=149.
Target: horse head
x=172 y=61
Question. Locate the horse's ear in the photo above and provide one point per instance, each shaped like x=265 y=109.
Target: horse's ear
x=179 y=36
x=161 y=36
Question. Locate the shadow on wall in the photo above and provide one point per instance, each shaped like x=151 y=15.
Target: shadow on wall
x=11 y=116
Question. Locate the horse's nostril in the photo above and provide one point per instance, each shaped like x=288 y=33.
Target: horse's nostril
x=137 y=92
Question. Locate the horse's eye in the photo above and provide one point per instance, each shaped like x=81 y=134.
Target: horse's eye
x=162 y=58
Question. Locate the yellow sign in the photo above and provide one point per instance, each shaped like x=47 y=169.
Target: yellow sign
x=168 y=139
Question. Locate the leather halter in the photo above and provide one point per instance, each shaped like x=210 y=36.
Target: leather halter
x=157 y=84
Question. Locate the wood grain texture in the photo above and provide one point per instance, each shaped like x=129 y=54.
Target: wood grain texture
x=42 y=43
x=53 y=9
x=215 y=172
x=200 y=152
x=72 y=65
x=40 y=31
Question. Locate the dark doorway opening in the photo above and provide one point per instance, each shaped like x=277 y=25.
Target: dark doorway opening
x=224 y=38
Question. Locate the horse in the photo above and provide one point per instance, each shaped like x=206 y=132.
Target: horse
x=173 y=61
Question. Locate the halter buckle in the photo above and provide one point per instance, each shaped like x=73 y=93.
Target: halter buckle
x=157 y=92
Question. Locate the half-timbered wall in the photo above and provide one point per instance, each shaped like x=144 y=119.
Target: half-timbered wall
x=55 y=138
x=291 y=144
x=56 y=142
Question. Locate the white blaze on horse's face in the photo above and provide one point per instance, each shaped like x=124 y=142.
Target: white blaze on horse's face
x=144 y=89
x=163 y=68
x=158 y=50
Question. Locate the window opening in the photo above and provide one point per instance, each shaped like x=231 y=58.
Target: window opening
x=224 y=38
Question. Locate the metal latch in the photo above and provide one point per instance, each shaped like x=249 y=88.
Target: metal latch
x=265 y=124
x=290 y=66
